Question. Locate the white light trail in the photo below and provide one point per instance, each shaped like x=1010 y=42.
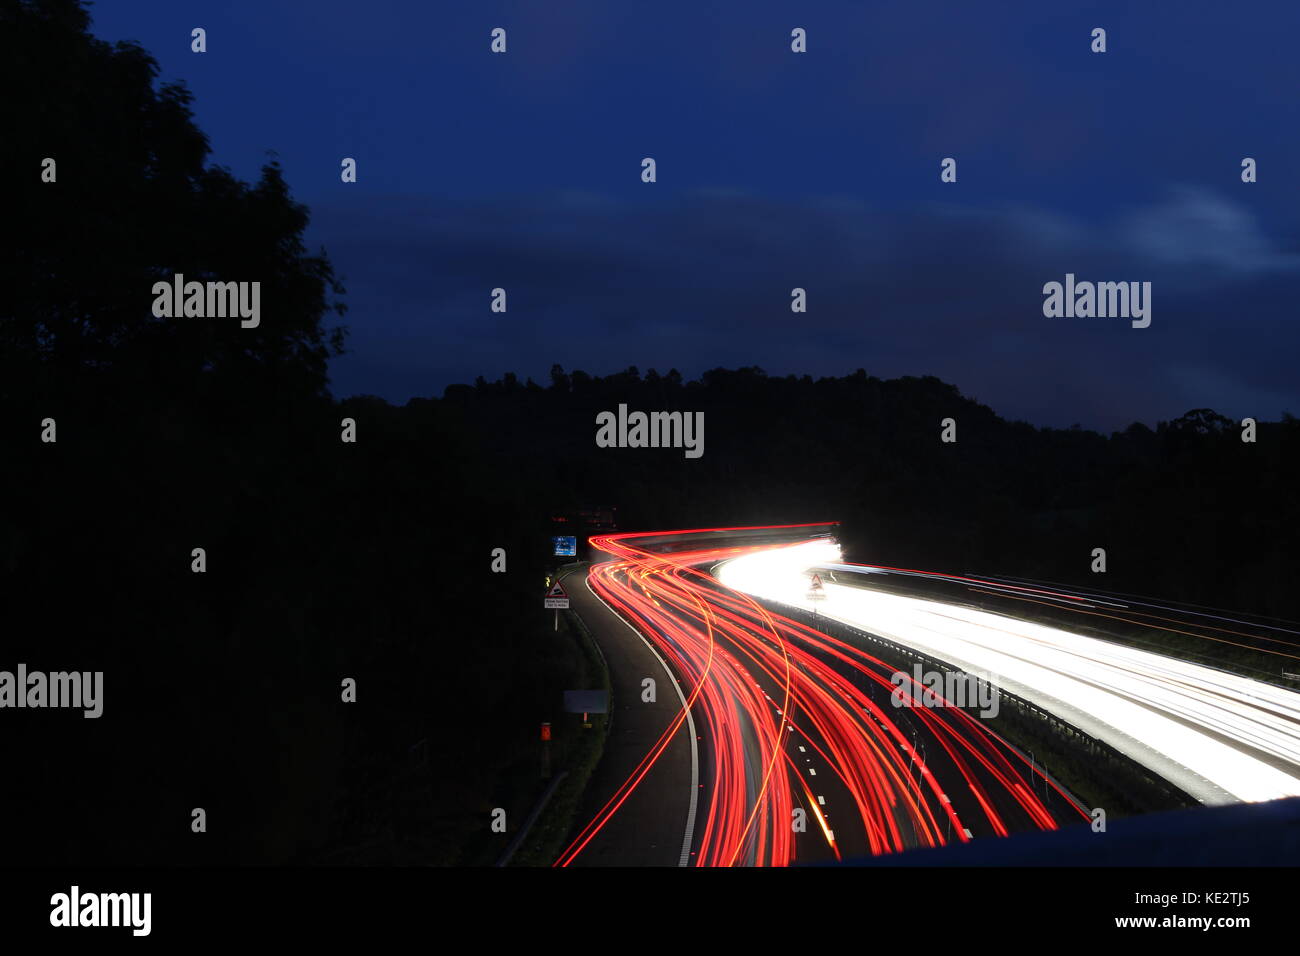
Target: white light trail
x=1219 y=736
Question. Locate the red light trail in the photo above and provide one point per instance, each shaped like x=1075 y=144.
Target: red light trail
x=786 y=710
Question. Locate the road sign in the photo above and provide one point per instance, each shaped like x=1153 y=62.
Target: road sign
x=586 y=701
x=557 y=598
x=815 y=590
x=565 y=546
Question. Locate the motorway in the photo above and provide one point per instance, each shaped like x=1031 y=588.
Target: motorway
x=796 y=754
x=647 y=820
x=1219 y=736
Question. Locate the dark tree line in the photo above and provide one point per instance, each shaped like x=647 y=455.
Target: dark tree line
x=325 y=560
x=1186 y=511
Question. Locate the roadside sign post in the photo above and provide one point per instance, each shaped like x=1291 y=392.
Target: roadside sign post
x=557 y=598
x=546 y=749
x=586 y=702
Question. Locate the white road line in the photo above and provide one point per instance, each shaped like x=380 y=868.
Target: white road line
x=695 y=751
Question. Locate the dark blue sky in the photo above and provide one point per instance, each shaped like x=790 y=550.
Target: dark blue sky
x=777 y=170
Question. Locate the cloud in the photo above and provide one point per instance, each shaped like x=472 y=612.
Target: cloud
x=1195 y=228
x=698 y=280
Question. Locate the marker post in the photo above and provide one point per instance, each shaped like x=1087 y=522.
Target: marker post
x=816 y=593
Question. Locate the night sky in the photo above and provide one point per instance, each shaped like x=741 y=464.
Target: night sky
x=777 y=170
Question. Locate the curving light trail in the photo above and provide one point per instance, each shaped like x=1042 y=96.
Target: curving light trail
x=1220 y=736
x=795 y=720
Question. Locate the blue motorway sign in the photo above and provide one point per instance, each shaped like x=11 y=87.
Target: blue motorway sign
x=565 y=546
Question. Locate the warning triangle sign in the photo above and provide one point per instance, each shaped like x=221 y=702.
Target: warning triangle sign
x=557 y=591
x=816 y=583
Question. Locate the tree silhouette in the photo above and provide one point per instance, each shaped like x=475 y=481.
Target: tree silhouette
x=135 y=201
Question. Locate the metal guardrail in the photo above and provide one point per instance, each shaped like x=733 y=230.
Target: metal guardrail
x=522 y=835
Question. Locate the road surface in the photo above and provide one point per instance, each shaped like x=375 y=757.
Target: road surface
x=800 y=755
